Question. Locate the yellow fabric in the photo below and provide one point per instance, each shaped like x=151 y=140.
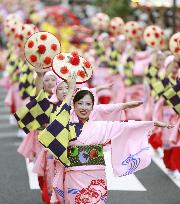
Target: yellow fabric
x=128 y=73
x=48 y=27
x=28 y=117
x=57 y=135
x=172 y=97
x=27 y=81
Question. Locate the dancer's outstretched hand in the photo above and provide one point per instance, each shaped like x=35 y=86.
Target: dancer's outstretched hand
x=133 y=104
x=72 y=81
x=162 y=124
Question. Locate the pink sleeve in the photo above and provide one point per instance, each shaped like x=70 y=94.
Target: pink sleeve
x=129 y=145
x=93 y=90
x=158 y=110
x=107 y=112
x=40 y=164
x=58 y=184
x=175 y=135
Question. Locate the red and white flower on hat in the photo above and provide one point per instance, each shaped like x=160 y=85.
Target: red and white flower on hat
x=65 y=63
x=22 y=35
x=116 y=26
x=133 y=31
x=12 y=17
x=154 y=37
x=100 y=21
x=41 y=48
x=174 y=44
x=11 y=27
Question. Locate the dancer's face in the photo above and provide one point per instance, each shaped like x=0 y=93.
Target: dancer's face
x=62 y=91
x=83 y=107
x=160 y=61
x=49 y=83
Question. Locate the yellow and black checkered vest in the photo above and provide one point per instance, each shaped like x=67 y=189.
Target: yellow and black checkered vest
x=100 y=52
x=172 y=95
x=151 y=77
x=113 y=61
x=27 y=81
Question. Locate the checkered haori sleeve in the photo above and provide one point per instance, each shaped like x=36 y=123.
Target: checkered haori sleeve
x=161 y=85
x=27 y=83
x=57 y=135
x=11 y=63
x=128 y=73
x=114 y=60
x=151 y=76
x=172 y=97
x=35 y=114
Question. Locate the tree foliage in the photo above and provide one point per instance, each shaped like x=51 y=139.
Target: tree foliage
x=114 y=8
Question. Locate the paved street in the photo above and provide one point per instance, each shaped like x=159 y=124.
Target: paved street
x=151 y=186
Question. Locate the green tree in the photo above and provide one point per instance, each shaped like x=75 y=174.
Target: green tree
x=115 y=8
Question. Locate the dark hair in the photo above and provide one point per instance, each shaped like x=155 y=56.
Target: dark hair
x=80 y=94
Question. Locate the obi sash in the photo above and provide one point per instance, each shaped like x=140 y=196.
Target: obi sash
x=86 y=155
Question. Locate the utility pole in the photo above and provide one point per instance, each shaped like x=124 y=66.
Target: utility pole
x=174 y=16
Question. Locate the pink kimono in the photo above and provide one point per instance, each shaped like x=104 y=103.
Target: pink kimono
x=142 y=60
x=118 y=89
x=157 y=114
x=135 y=92
x=110 y=112
x=13 y=98
x=5 y=82
x=45 y=167
x=100 y=76
x=130 y=153
x=171 y=140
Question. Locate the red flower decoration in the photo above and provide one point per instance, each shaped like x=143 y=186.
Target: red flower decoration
x=23 y=27
x=87 y=64
x=113 y=27
x=47 y=60
x=21 y=37
x=134 y=31
x=81 y=73
x=156 y=35
x=75 y=54
x=12 y=29
x=64 y=70
x=152 y=43
x=43 y=37
x=29 y=33
x=19 y=45
x=93 y=153
x=60 y=57
x=148 y=35
x=41 y=49
x=177 y=49
x=30 y=44
x=33 y=58
x=75 y=60
x=54 y=47
x=161 y=42
x=127 y=31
